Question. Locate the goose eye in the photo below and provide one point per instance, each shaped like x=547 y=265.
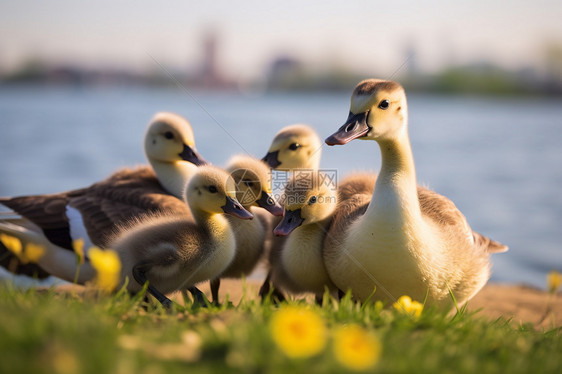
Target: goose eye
x=384 y=104
x=212 y=189
x=294 y=146
x=168 y=135
x=312 y=200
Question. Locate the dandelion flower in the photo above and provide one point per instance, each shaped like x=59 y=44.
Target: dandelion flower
x=78 y=246
x=12 y=243
x=108 y=268
x=554 y=280
x=356 y=348
x=298 y=332
x=33 y=252
x=406 y=305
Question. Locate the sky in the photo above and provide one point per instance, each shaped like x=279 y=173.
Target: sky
x=367 y=36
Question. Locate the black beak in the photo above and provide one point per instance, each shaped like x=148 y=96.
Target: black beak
x=233 y=207
x=355 y=127
x=191 y=155
x=291 y=220
x=267 y=202
x=271 y=159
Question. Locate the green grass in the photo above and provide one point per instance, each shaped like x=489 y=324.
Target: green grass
x=50 y=332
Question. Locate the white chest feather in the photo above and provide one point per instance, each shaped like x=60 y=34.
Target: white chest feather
x=77 y=227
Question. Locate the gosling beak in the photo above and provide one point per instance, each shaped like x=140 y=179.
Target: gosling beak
x=271 y=159
x=355 y=127
x=267 y=202
x=233 y=207
x=190 y=154
x=291 y=220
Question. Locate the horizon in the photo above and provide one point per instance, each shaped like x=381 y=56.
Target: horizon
x=429 y=36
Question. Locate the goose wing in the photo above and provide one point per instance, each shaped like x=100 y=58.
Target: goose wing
x=346 y=213
x=354 y=184
x=123 y=196
x=444 y=212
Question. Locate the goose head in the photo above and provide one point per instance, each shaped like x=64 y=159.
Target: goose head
x=294 y=147
x=212 y=190
x=378 y=112
x=169 y=138
x=253 y=184
x=309 y=198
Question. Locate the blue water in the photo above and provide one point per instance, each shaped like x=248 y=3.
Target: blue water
x=498 y=159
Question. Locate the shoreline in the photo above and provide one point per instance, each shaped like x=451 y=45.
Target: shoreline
x=517 y=303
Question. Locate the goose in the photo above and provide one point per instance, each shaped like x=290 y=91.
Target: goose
x=407 y=240
x=294 y=147
x=94 y=212
x=253 y=190
x=309 y=205
x=171 y=252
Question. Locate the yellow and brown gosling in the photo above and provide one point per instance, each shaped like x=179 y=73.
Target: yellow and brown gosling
x=298 y=267
x=253 y=190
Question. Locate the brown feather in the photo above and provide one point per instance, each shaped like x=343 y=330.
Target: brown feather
x=433 y=205
x=126 y=194
x=491 y=246
x=359 y=183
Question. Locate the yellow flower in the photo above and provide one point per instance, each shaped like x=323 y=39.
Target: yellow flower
x=406 y=305
x=33 y=252
x=12 y=243
x=554 y=279
x=78 y=246
x=108 y=268
x=356 y=348
x=298 y=331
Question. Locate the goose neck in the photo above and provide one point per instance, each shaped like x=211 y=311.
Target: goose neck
x=215 y=224
x=395 y=195
x=397 y=161
x=173 y=176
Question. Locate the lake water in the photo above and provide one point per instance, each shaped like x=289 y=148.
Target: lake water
x=498 y=159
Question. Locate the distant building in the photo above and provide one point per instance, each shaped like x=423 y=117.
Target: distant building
x=553 y=68
x=283 y=71
x=209 y=73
